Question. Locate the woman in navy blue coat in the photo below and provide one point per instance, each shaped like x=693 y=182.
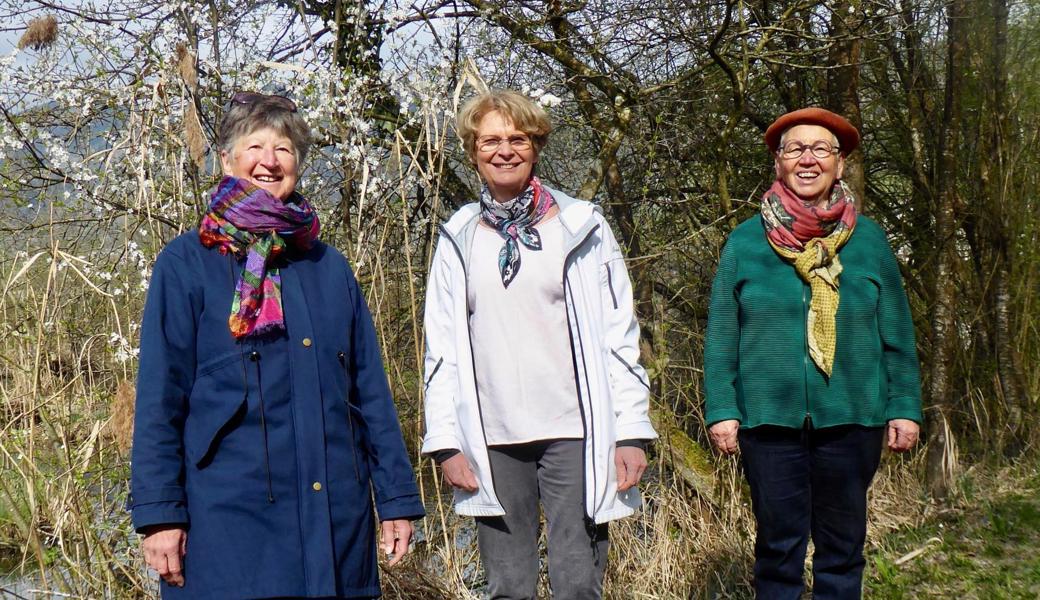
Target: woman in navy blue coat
x=264 y=424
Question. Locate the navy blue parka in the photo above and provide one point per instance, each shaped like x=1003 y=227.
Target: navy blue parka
x=267 y=450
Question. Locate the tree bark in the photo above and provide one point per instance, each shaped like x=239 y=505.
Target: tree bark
x=941 y=454
x=842 y=94
x=996 y=188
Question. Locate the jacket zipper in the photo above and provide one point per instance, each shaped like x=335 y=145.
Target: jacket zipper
x=472 y=359
x=254 y=356
x=350 y=417
x=610 y=286
x=586 y=419
x=805 y=358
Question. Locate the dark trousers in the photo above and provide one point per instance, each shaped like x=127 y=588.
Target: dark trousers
x=810 y=482
x=549 y=473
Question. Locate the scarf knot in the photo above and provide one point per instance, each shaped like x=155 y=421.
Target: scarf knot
x=810 y=237
x=245 y=220
x=515 y=222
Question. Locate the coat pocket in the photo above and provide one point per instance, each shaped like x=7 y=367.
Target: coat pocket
x=433 y=373
x=860 y=292
x=218 y=405
x=354 y=416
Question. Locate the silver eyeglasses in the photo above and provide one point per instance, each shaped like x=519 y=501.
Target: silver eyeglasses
x=797 y=149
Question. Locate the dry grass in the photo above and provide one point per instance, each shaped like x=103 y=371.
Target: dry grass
x=68 y=422
x=41 y=32
x=194 y=136
x=120 y=424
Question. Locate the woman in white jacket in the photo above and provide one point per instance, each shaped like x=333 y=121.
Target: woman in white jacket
x=534 y=392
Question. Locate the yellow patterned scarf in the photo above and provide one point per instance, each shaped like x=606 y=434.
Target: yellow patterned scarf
x=809 y=238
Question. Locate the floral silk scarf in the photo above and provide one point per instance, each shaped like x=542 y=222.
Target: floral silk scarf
x=810 y=237
x=244 y=219
x=514 y=220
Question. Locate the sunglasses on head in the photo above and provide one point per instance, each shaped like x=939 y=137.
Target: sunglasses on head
x=250 y=98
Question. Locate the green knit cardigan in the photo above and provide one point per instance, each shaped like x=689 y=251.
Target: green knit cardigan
x=757 y=367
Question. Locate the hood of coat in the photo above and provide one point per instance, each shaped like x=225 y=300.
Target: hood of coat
x=577 y=217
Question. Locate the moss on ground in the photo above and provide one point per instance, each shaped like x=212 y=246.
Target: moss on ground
x=987 y=549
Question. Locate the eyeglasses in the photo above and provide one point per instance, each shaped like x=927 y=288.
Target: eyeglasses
x=797 y=149
x=250 y=98
x=516 y=142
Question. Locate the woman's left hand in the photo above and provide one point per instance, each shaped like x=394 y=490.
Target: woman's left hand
x=394 y=538
x=902 y=434
x=630 y=463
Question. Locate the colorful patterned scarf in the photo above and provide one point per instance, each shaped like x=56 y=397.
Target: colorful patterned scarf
x=810 y=237
x=515 y=220
x=246 y=220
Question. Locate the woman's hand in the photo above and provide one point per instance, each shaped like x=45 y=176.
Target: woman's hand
x=458 y=474
x=395 y=536
x=164 y=546
x=724 y=435
x=902 y=434
x=630 y=463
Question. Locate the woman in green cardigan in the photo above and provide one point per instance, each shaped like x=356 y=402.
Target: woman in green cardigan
x=810 y=362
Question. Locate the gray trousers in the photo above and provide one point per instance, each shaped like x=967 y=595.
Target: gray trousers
x=550 y=471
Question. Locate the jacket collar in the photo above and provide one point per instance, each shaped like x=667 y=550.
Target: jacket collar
x=576 y=216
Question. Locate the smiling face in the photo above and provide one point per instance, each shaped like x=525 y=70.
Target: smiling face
x=809 y=177
x=505 y=169
x=265 y=158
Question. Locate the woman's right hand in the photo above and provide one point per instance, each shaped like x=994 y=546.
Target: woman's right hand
x=164 y=548
x=724 y=435
x=458 y=473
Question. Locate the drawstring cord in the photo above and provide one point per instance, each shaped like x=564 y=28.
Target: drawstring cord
x=592 y=530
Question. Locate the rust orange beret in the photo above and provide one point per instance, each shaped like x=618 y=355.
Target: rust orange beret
x=848 y=136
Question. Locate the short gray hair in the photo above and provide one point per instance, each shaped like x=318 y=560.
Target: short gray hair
x=243 y=119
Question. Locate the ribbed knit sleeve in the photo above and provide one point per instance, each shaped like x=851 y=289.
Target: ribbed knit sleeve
x=721 y=345
x=896 y=328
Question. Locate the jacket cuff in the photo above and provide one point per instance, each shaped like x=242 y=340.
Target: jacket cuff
x=641 y=444
x=433 y=443
x=159 y=513
x=403 y=507
x=904 y=407
x=392 y=492
x=637 y=430
x=170 y=493
x=440 y=456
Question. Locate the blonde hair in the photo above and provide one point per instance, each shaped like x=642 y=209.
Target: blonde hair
x=520 y=110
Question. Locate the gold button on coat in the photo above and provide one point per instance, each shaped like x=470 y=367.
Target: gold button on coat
x=317 y=486
x=307 y=342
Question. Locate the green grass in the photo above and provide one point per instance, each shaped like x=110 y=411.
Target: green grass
x=988 y=548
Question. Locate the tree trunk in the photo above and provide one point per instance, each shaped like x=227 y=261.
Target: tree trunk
x=941 y=454
x=842 y=95
x=997 y=188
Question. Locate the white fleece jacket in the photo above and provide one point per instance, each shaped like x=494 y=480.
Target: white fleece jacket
x=612 y=386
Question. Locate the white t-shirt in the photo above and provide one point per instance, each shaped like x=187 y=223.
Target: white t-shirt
x=521 y=345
